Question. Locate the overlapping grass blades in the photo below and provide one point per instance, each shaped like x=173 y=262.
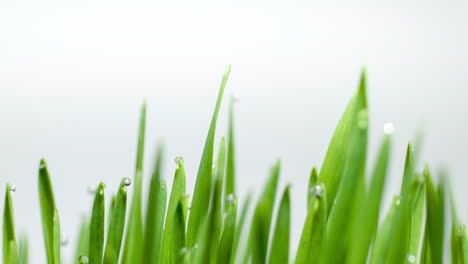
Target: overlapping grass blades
x=341 y=223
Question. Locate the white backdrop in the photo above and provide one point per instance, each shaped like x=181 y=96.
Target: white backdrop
x=73 y=76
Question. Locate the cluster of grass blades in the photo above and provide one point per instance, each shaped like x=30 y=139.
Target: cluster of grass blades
x=341 y=225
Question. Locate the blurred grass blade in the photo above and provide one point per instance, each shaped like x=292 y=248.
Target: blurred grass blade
x=333 y=166
x=47 y=202
x=82 y=247
x=365 y=226
x=261 y=222
x=9 y=238
x=230 y=182
x=314 y=230
x=155 y=212
x=23 y=250
x=134 y=245
x=239 y=228
x=177 y=194
x=178 y=235
x=417 y=223
x=116 y=225
x=279 y=252
x=96 y=233
x=201 y=194
x=226 y=244
x=56 y=241
x=312 y=182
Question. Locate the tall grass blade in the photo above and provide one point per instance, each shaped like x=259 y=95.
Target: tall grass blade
x=82 y=247
x=226 y=244
x=279 y=252
x=239 y=228
x=23 y=256
x=312 y=182
x=9 y=238
x=96 y=233
x=57 y=240
x=230 y=182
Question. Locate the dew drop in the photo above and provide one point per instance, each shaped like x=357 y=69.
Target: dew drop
x=397 y=202
x=388 y=128
x=12 y=188
x=183 y=251
x=316 y=190
x=230 y=198
x=127 y=181
x=213 y=166
x=195 y=246
x=411 y=258
x=179 y=160
x=362 y=119
x=460 y=230
x=83 y=260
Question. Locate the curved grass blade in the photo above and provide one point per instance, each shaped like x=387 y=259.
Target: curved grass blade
x=9 y=238
x=333 y=166
x=312 y=181
x=47 y=203
x=155 y=212
x=239 y=228
x=230 y=182
x=201 y=194
x=56 y=241
x=116 y=225
x=23 y=250
x=279 y=252
x=364 y=229
x=314 y=231
x=96 y=233
x=82 y=248
x=133 y=249
x=261 y=222
x=226 y=244
x=177 y=193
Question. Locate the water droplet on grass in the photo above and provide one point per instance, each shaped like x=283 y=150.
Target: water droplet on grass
x=362 y=119
x=316 y=190
x=411 y=258
x=183 y=251
x=388 y=128
x=127 y=181
x=213 y=166
x=83 y=260
x=12 y=188
x=230 y=198
x=179 y=160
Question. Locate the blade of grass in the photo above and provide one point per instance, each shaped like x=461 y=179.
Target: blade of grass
x=334 y=163
x=47 y=203
x=177 y=193
x=226 y=244
x=134 y=245
x=56 y=241
x=239 y=228
x=312 y=181
x=178 y=235
x=116 y=225
x=96 y=233
x=314 y=231
x=155 y=212
x=23 y=250
x=9 y=238
x=82 y=248
x=417 y=223
x=201 y=194
x=230 y=182
x=279 y=252
x=261 y=222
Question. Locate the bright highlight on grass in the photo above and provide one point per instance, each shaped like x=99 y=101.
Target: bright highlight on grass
x=214 y=225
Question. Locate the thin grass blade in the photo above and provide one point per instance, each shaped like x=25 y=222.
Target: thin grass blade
x=239 y=229
x=279 y=252
x=57 y=240
x=23 y=256
x=312 y=182
x=96 y=233
x=82 y=248
x=230 y=182
x=226 y=244
x=9 y=238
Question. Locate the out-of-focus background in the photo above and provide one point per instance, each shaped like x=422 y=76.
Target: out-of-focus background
x=73 y=77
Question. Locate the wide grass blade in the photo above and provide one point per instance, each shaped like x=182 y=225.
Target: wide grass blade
x=96 y=233
x=9 y=238
x=314 y=231
x=155 y=212
x=279 y=252
x=116 y=224
x=47 y=203
x=201 y=194
x=168 y=254
x=261 y=222
x=82 y=248
x=23 y=256
x=133 y=249
x=333 y=166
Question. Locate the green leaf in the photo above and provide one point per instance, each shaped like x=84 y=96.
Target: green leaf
x=178 y=235
x=314 y=231
x=155 y=212
x=96 y=233
x=279 y=252
x=82 y=248
x=133 y=249
x=333 y=166
x=56 y=240
x=364 y=229
x=47 y=202
x=262 y=218
x=201 y=194
x=312 y=181
x=177 y=193
x=9 y=253
x=239 y=228
x=23 y=250
x=227 y=239
x=230 y=182
x=116 y=225
x=417 y=222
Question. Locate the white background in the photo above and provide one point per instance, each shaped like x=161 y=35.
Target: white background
x=73 y=76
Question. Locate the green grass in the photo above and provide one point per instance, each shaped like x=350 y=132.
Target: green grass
x=216 y=226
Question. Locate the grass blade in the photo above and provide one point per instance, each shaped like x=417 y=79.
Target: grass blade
x=56 y=241
x=279 y=252
x=178 y=235
x=47 y=203
x=239 y=229
x=116 y=224
x=230 y=182
x=82 y=248
x=9 y=238
x=261 y=222
x=96 y=233
x=23 y=250
x=417 y=222
x=201 y=194
x=226 y=244
x=312 y=181
x=314 y=231
x=155 y=212
x=133 y=248
x=336 y=158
